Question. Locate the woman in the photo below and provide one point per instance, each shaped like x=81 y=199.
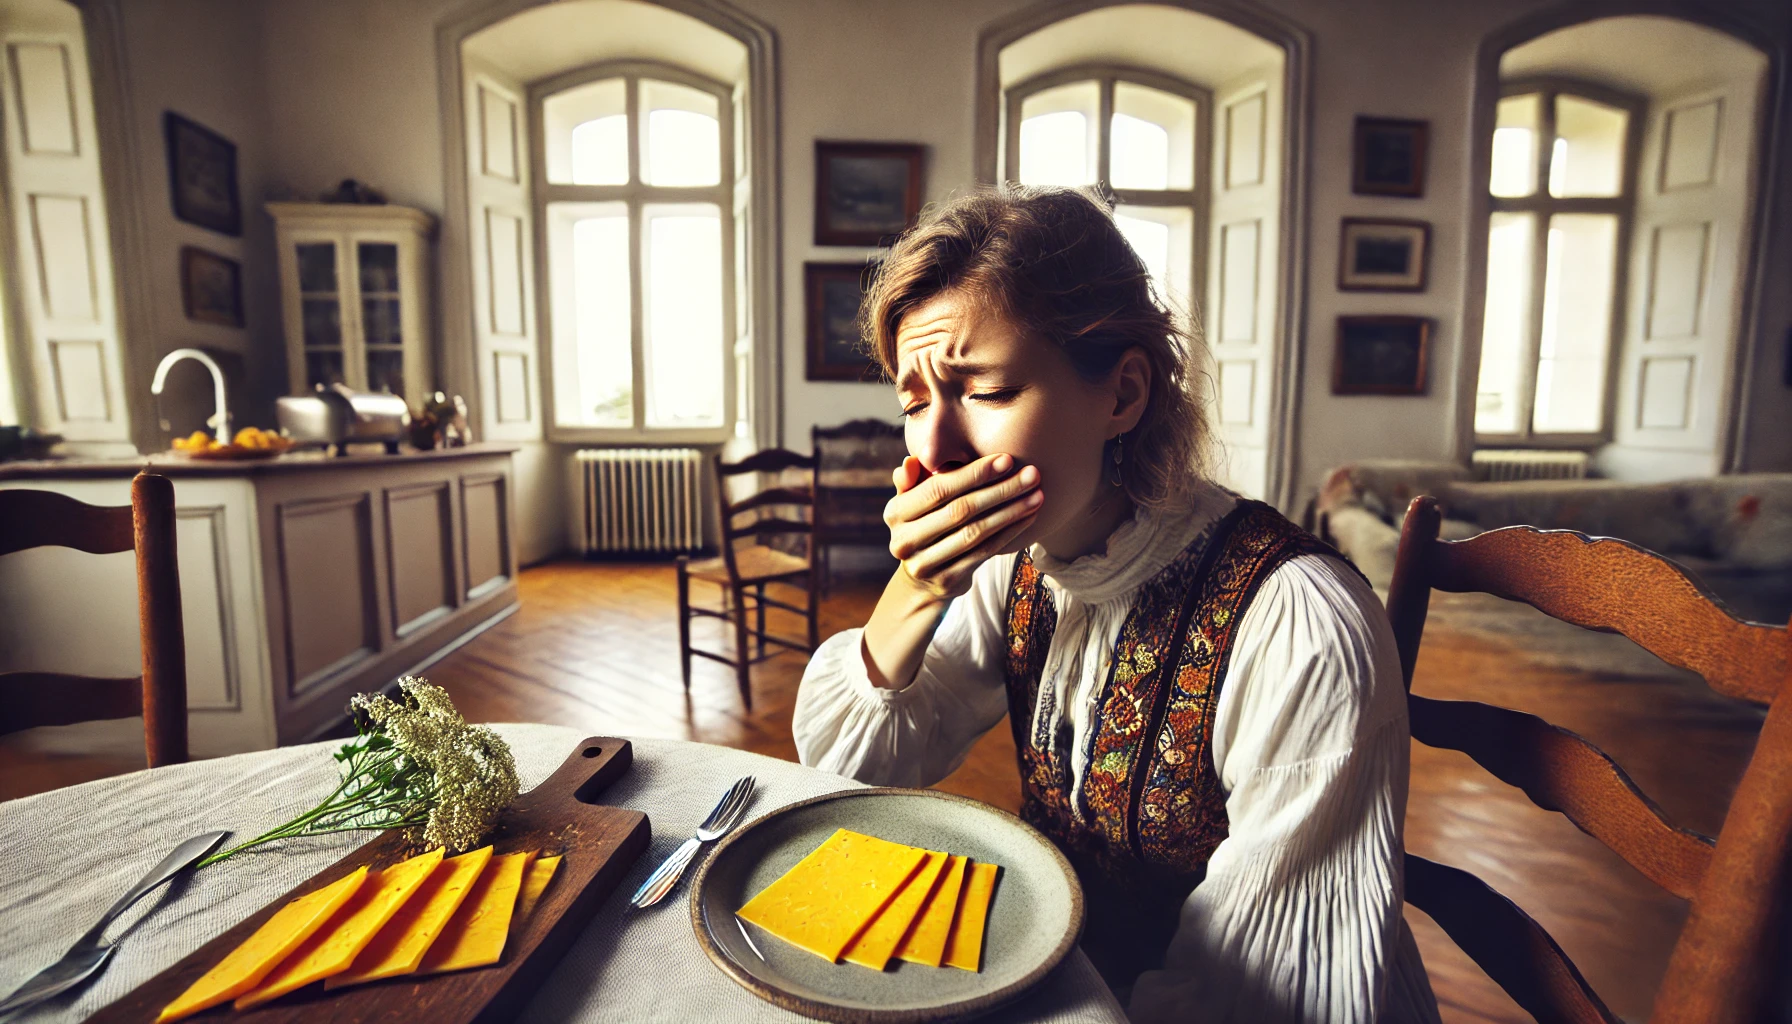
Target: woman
x=1206 y=702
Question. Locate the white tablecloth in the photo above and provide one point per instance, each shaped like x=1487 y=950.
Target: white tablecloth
x=66 y=855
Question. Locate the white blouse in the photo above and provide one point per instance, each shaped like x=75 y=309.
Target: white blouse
x=1299 y=915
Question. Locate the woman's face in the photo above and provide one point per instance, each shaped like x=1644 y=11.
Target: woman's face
x=971 y=385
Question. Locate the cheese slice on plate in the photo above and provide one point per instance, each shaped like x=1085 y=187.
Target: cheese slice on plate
x=332 y=948
x=475 y=934
x=964 y=946
x=244 y=967
x=828 y=898
x=535 y=881
x=926 y=941
x=400 y=945
x=874 y=947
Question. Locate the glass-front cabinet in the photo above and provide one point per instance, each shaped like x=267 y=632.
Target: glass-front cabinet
x=354 y=292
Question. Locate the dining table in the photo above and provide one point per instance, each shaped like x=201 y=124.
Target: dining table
x=66 y=855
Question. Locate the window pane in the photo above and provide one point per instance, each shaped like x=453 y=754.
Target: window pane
x=593 y=363
x=1588 y=157
x=683 y=144
x=1153 y=139
x=1514 y=171
x=1506 y=322
x=685 y=352
x=585 y=131
x=1057 y=135
x=1163 y=237
x=1577 y=323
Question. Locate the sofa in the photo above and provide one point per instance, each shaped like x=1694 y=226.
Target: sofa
x=1733 y=532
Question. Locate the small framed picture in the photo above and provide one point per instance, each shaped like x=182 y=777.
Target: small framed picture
x=211 y=287
x=866 y=193
x=202 y=174
x=1388 y=157
x=832 y=293
x=1381 y=355
x=1382 y=255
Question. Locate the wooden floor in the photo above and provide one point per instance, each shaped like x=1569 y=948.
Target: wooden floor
x=595 y=647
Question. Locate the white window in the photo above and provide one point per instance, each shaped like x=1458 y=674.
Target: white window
x=1137 y=134
x=635 y=197
x=1560 y=221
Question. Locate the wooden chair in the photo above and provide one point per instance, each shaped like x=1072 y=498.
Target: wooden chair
x=31 y=519
x=852 y=484
x=1725 y=959
x=745 y=571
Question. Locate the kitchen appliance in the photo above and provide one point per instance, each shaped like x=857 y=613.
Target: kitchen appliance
x=339 y=415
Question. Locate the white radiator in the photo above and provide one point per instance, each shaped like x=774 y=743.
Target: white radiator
x=641 y=499
x=1496 y=464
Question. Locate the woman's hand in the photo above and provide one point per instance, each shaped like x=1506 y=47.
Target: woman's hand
x=942 y=526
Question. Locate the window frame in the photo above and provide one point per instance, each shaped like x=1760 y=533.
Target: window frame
x=1197 y=200
x=635 y=195
x=1542 y=206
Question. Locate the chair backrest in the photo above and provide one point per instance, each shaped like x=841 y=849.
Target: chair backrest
x=1721 y=966
x=31 y=519
x=858 y=444
x=758 y=515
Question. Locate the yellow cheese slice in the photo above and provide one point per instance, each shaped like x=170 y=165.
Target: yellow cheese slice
x=331 y=949
x=399 y=947
x=926 y=941
x=475 y=934
x=964 y=946
x=535 y=880
x=244 y=967
x=828 y=898
x=874 y=947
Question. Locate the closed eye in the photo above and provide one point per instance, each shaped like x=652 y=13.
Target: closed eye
x=914 y=410
x=998 y=396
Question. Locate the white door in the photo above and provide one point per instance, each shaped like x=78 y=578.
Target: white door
x=61 y=259
x=1687 y=253
x=1243 y=276
x=502 y=246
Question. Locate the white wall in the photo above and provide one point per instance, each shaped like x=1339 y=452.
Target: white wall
x=202 y=60
x=348 y=88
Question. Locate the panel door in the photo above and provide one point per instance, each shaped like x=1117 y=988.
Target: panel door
x=502 y=245
x=61 y=256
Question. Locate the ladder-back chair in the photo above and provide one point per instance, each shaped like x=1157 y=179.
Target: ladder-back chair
x=33 y=519
x=745 y=571
x=1721 y=969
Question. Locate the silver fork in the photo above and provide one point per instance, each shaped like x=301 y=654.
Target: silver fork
x=90 y=953
x=726 y=815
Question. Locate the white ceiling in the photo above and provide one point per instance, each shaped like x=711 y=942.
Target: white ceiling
x=1642 y=54
x=559 y=37
x=1194 y=47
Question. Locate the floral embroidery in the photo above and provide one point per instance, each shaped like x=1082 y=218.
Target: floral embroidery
x=1152 y=808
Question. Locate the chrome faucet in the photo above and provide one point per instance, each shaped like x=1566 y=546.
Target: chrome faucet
x=220 y=420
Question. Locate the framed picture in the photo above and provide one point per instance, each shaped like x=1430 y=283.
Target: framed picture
x=1381 y=355
x=202 y=174
x=831 y=295
x=1382 y=255
x=866 y=193
x=1388 y=157
x=211 y=287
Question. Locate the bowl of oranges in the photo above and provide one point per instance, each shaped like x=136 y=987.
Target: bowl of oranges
x=249 y=443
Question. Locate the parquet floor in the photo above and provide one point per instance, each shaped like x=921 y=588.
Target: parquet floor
x=595 y=646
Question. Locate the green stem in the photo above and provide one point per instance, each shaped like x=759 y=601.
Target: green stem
x=347 y=814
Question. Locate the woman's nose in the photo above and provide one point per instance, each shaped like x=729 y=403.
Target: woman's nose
x=940 y=444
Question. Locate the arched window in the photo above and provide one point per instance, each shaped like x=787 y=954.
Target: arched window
x=635 y=198
x=1557 y=235
x=1143 y=136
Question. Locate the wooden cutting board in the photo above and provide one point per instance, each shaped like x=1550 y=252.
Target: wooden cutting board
x=559 y=816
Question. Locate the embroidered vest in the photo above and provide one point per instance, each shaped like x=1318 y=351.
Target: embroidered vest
x=1151 y=808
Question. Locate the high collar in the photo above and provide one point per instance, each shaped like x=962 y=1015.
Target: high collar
x=1141 y=547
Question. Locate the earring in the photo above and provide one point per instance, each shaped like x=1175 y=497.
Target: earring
x=1114 y=471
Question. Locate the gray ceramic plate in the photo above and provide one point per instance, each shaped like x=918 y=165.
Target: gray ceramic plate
x=1034 y=919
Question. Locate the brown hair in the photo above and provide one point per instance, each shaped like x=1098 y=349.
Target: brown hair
x=1052 y=262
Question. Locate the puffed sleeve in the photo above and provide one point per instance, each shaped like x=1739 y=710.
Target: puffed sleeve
x=1299 y=916
x=917 y=735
